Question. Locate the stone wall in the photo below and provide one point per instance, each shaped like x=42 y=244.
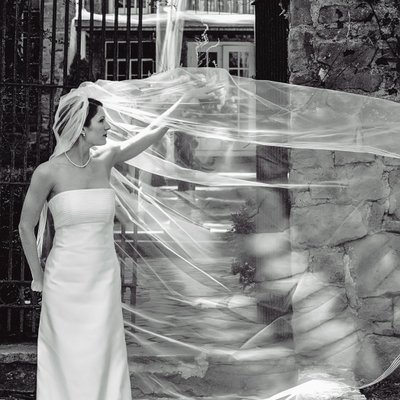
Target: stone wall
x=345 y=44
x=350 y=235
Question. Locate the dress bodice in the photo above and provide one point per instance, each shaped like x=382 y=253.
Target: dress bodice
x=82 y=206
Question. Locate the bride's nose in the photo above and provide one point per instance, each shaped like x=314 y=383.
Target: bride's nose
x=107 y=126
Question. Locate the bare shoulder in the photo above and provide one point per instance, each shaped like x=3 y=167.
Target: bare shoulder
x=43 y=175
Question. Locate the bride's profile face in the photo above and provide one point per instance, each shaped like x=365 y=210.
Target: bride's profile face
x=96 y=132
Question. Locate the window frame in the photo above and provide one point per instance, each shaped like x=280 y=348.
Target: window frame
x=134 y=9
x=123 y=59
x=222 y=48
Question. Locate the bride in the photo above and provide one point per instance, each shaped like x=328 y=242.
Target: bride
x=81 y=346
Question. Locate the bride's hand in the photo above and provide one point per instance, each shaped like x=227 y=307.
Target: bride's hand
x=37 y=285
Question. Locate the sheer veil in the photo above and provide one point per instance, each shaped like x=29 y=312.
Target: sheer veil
x=197 y=211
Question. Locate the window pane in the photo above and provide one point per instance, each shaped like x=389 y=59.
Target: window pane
x=244 y=60
x=109 y=50
x=147 y=67
x=233 y=72
x=134 y=49
x=121 y=50
x=213 y=59
x=121 y=67
x=149 y=50
x=110 y=68
x=134 y=67
x=233 y=59
x=201 y=59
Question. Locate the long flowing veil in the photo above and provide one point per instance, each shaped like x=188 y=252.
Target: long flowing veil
x=258 y=235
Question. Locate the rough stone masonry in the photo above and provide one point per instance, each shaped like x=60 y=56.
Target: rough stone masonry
x=349 y=236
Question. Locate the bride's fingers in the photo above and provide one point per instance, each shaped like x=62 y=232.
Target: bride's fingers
x=37 y=286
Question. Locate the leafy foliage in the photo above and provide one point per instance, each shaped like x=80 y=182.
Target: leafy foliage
x=243 y=264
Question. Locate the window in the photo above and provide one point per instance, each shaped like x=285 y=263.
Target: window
x=123 y=6
x=237 y=60
x=236 y=57
x=207 y=59
x=148 y=63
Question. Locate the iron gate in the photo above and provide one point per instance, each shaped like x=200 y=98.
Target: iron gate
x=34 y=42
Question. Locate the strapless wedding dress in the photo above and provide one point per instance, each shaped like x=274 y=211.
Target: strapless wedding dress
x=81 y=343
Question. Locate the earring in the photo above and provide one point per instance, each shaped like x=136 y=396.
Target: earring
x=83 y=134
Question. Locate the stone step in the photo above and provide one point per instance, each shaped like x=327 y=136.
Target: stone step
x=201 y=376
x=209 y=376
x=154 y=376
x=17 y=371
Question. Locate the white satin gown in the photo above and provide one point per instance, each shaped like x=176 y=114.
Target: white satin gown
x=82 y=351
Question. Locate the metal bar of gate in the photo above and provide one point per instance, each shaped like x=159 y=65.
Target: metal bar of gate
x=128 y=40
x=66 y=41
x=40 y=91
x=140 y=39
x=12 y=164
x=91 y=39
x=103 y=37
x=27 y=60
x=79 y=37
x=115 y=53
x=52 y=72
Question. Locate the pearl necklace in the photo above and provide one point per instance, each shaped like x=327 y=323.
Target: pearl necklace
x=77 y=165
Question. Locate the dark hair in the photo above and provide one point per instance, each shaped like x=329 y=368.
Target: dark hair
x=92 y=110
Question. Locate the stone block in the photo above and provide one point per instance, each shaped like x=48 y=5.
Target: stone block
x=309 y=158
x=396 y=315
x=349 y=157
x=382 y=350
x=391 y=225
x=343 y=54
x=332 y=32
x=328 y=264
x=317 y=176
x=376 y=309
x=391 y=161
x=394 y=178
x=375 y=264
x=300 y=50
x=363 y=182
x=333 y=14
x=354 y=78
x=325 y=335
x=300 y=12
x=328 y=224
x=311 y=293
x=308 y=77
x=361 y=13
x=350 y=284
x=328 y=192
x=394 y=198
x=304 y=199
x=382 y=328
x=281 y=266
x=376 y=216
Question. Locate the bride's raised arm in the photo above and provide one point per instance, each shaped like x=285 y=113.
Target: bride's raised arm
x=127 y=149
x=130 y=148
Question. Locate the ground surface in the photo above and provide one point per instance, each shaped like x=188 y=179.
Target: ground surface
x=389 y=389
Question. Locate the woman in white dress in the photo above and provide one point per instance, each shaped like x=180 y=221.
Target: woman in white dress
x=81 y=345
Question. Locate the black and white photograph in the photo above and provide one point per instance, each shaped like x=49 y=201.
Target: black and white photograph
x=200 y=199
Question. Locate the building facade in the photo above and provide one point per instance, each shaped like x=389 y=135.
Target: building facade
x=216 y=34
